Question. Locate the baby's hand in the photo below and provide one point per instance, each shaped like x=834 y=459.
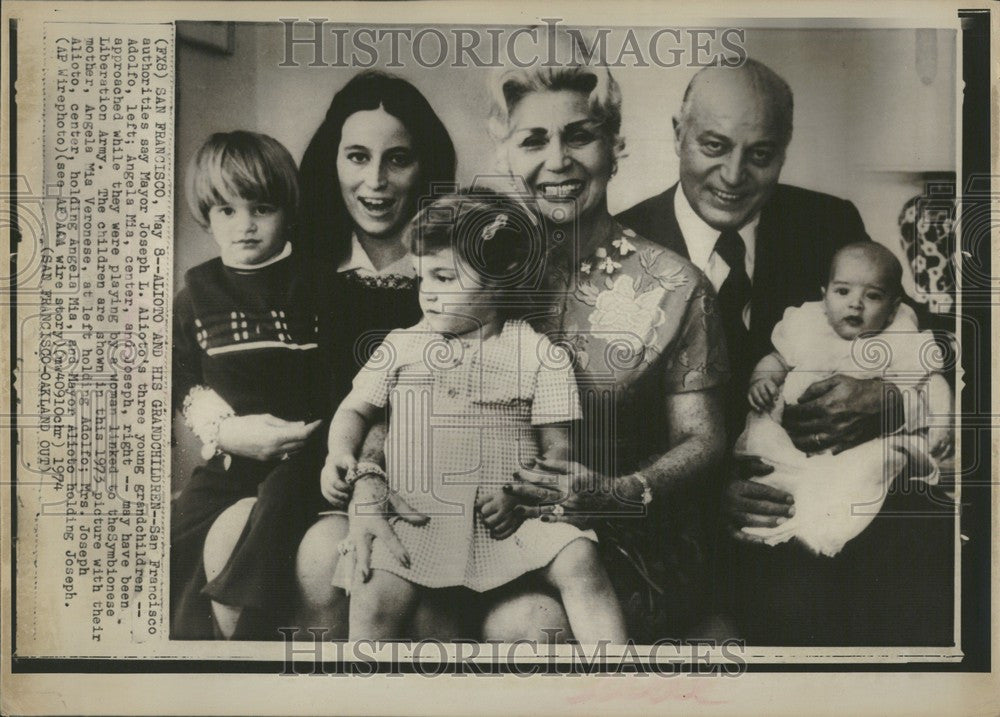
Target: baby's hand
x=332 y=481
x=501 y=514
x=763 y=393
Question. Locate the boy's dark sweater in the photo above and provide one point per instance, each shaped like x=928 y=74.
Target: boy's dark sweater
x=252 y=337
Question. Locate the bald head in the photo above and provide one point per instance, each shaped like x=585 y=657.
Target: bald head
x=753 y=85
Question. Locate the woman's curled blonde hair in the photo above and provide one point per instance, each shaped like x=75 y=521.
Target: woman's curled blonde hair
x=590 y=78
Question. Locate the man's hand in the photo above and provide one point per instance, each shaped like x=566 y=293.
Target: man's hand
x=747 y=503
x=941 y=440
x=837 y=413
x=263 y=437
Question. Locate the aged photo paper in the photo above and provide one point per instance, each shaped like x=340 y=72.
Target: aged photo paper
x=227 y=226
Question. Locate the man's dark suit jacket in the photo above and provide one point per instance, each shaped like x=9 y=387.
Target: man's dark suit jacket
x=799 y=232
x=784 y=595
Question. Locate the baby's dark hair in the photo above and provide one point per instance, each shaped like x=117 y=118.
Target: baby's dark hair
x=876 y=254
x=241 y=164
x=497 y=236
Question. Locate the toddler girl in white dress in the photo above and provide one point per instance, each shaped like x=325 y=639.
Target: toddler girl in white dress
x=859 y=321
x=473 y=395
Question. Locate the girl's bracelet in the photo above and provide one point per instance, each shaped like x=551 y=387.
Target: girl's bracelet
x=363 y=470
x=371 y=497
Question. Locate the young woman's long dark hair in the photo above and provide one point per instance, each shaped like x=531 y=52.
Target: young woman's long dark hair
x=324 y=222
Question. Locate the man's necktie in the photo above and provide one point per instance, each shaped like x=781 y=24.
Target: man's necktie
x=734 y=294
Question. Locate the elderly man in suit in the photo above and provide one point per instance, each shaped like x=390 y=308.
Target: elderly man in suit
x=766 y=246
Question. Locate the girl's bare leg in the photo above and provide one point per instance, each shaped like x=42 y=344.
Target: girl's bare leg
x=587 y=594
x=323 y=606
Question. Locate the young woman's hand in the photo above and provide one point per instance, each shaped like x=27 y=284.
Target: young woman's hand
x=501 y=514
x=263 y=437
x=372 y=503
x=332 y=480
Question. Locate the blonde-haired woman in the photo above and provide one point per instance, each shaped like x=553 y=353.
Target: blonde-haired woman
x=649 y=356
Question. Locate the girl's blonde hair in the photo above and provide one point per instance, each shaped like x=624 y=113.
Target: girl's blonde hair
x=241 y=164
x=576 y=71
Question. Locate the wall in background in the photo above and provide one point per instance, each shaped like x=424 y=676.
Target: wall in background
x=866 y=125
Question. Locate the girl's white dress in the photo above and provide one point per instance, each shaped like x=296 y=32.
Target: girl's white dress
x=463 y=418
x=838 y=496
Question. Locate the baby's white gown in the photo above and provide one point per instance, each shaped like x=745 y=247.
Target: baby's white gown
x=838 y=496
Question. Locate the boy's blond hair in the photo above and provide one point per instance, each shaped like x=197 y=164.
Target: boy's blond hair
x=241 y=164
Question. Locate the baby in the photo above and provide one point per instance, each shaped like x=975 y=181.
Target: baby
x=860 y=318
